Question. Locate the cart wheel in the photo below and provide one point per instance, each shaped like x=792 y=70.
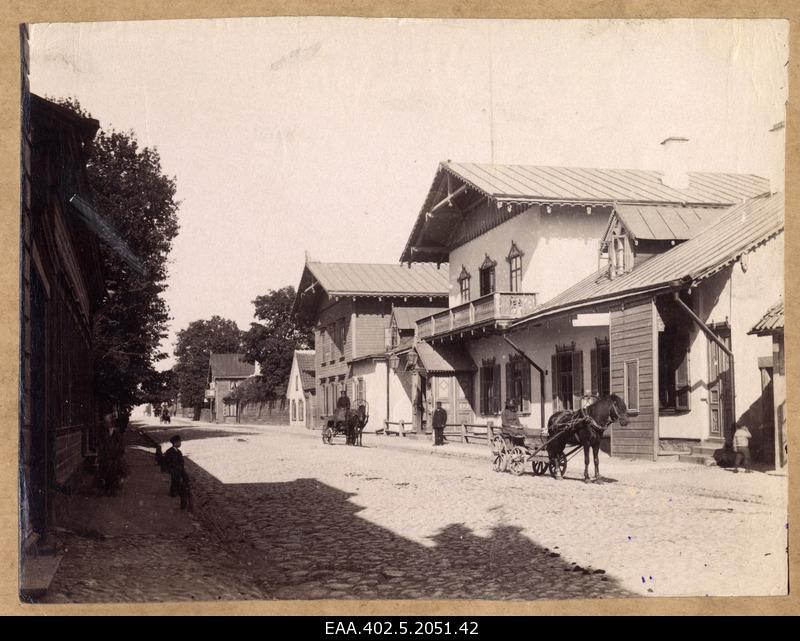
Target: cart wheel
x=327 y=435
x=517 y=461
x=539 y=467
x=498 y=446
x=562 y=465
x=499 y=464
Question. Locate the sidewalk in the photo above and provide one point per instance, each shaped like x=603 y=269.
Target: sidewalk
x=139 y=545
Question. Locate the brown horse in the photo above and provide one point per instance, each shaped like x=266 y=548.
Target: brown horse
x=583 y=427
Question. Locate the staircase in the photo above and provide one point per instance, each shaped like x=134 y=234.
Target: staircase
x=703 y=453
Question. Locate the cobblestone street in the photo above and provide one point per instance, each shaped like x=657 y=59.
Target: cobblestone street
x=279 y=515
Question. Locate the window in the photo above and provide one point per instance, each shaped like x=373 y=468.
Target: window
x=601 y=369
x=361 y=390
x=464 y=279
x=631 y=378
x=229 y=409
x=518 y=382
x=515 y=268
x=487 y=276
x=296 y=383
x=673 y=369
x=301 y=414
x=619 y=254
x=490 y=388
x=294 y=411
x=567 y=377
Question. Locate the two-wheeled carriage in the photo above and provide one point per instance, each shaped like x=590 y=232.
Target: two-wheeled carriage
x=512 y=453
x=349 y=423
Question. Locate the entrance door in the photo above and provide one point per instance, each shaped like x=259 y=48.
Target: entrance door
x=719 y=386
x=464 y=387
x=455 y=395
x=766 y=445
x=443 y=393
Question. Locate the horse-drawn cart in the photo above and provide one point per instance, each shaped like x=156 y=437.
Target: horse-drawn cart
x=508 y=456
x=349 y=423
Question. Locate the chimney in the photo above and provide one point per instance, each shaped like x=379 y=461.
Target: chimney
x=675 y=162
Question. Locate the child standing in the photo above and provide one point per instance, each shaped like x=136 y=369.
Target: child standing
x=741 y=445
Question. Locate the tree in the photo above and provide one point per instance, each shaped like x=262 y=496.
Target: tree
x=131 y=192
x=193 y=349
x=272 y=341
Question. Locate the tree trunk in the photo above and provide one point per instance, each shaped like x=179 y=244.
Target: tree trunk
x=197 y=410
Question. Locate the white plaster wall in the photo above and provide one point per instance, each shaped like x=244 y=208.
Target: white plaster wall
x=560 y=248
x=295 y=395
x=539 y=343
x=741 y=298
x=374 y=375
x=400 y=407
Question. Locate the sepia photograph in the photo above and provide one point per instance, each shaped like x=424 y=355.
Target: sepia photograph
x=393 y=309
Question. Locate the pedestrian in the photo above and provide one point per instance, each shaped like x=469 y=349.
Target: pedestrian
x=439 y=422
x=741 y=445
x=179 y=480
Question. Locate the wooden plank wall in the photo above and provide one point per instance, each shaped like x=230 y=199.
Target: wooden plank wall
x=632 y=335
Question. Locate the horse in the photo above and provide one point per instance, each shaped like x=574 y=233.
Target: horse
x=356 y=422
x=584 y=427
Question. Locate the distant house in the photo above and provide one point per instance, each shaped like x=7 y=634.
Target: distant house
x=351 y=305
x=773 y=383
x=225 y=373
x=301 y=392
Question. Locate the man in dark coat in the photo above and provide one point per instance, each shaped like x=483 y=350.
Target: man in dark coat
x=511 y=427
x=179 y=480
x=439 y=422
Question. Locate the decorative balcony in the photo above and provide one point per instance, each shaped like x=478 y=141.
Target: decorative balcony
x=495 y=307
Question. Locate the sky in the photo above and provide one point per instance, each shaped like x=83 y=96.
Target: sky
x=320 y=137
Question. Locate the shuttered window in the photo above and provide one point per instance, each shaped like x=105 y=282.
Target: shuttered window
x=490 y=388
x=567 y=379
x=601 y=370
x=518 y=382
x=674 y=386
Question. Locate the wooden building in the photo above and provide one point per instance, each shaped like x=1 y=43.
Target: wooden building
x=301 y=391
x=351 y=305
x=517 y=236
x=225 y=373
x=61 y=286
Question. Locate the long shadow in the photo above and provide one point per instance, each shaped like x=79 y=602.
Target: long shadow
x=193 y=433
x=303 y=539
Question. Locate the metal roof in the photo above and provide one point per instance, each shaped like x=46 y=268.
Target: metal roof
x=582 y=185
x=771 y=322
x=739 y=230
x=306 y=366
x=658 y=222
x=406 y=317
x=229 y=366
x=444 y=359
x=371 y=279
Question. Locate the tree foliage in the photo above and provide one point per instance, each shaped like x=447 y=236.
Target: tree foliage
x=193 y=350
x=273 y=339
x=132 y=193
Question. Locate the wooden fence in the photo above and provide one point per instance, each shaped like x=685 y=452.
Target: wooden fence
x=463 y=432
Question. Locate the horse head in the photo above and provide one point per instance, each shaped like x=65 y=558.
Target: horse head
x=617 y=411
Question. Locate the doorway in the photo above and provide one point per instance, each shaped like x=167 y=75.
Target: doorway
x=720 y=400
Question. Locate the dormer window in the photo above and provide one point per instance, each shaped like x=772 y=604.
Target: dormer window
x=464 y=279
x=620 y=254
x=487 y=276
x=514 y=259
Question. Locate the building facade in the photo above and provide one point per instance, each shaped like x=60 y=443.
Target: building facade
x=350 y=305
x=225 y=373
x=301 y=391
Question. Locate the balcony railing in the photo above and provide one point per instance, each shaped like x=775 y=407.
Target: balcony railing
x=498 y=306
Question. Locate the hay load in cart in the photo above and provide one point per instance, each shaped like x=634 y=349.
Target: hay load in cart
x=347 y=422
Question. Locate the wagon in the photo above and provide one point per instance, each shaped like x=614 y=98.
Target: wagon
x=348 y=423
x=512 y=455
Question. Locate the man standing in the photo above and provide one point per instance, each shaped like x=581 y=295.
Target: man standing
x=439 y=422
x=173 y=463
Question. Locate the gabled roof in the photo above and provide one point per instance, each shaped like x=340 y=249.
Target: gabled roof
x=771 y=322
x=406 y=317
x=229 y=366
x=373 y=280
x=306 y=366
x=513 y=187
x=657 y=222
x=740 y=230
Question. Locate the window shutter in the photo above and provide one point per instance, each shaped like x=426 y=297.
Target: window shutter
x=554 y=376
x=497 y=397
x=577 y=379
x=595 y=373
x=682 y=386
x=526 y=386
x=509 y=378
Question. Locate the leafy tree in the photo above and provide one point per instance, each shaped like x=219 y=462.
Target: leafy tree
x=132 y=193
x=273 y=339
x=159 y=387
x=194 y=347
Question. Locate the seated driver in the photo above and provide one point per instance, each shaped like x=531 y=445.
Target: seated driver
x=343 y=407
x=511 y=427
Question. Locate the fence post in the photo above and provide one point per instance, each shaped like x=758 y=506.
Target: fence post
x=463 y=433
x=402 y=427
x=489 y=426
